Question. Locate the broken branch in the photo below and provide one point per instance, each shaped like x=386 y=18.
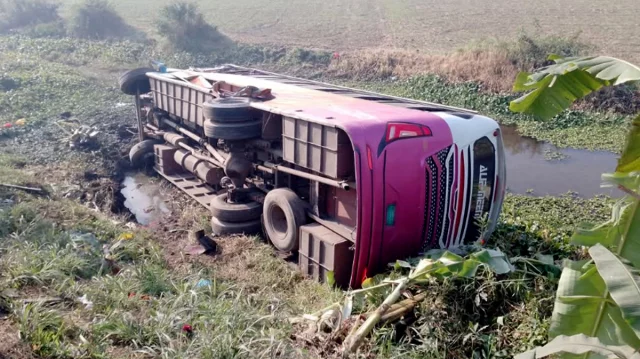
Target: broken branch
x=28 y=189
x=352 y=342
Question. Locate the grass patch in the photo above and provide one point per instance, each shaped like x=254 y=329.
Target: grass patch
x=44 y=92
x=11 y=173
x=529 y=50
x=144 y=307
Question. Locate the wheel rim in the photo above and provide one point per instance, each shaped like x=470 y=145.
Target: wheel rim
x=278 y=223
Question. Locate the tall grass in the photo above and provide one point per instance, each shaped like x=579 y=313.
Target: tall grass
x=492 y=63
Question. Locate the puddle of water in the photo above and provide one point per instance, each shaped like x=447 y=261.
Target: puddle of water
x=143 y=198
x=529 y=167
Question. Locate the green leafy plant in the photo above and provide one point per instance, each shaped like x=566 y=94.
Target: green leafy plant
x=597 y=308
x=437 y=264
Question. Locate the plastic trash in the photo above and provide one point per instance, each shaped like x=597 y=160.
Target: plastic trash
x=161 y=67
x=21 y=122
x=203 y=283
x=87 y=303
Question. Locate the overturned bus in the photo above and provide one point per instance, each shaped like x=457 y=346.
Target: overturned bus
x=347 y=180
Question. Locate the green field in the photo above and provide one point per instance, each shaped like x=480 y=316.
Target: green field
x=421 y=24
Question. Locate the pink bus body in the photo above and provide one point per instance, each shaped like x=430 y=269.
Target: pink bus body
x=425 y=175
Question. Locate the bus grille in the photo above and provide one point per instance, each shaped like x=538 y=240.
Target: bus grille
x=437 y=189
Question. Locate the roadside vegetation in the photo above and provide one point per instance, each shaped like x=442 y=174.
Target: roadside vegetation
x=78 y=281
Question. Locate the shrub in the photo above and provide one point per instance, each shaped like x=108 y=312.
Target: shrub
x=531 y=51
x=184 y=27
x=97 y=19
x=16 y=14
x=623 y=99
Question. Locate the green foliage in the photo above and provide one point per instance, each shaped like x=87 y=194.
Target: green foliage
x=580 y=344
x=185 y=28
x=530 y=49
x=16 y=14
x=598 y=300
x=45 y=330
x=555 y=87
x=97 y=19
x=445 y=264
x=630 y=159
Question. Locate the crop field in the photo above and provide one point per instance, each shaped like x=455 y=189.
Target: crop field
x=433 y=25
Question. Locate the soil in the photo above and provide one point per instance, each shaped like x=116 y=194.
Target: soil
x=11 y=347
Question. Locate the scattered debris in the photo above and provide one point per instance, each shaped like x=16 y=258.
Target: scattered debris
x=436 y=264
x=203 y=283
x=23 y=188
x=86 y=302
x=187 y=329
x=84 y=136
x=44 y=300
x=205 y=245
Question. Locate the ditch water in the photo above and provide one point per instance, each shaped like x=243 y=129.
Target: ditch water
x=144 y=199
x=540 y=168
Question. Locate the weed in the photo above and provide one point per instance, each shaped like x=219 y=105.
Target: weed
x=11 y=173
x=45 y=329
x=530 y=50
x=153 y=280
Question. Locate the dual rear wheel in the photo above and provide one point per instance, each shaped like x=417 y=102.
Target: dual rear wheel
x=280 y=218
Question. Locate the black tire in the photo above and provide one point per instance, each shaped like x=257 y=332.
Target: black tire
x=228 y=110
x=141 y=153
x=222 y=228
x=233 y=131
x=234 y=212
x=134 y=81
x=284 y=212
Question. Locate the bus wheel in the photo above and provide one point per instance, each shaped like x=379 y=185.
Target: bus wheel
x=222 y=228
x=228 y=110
x=233 y=131
x=284 y=212
x=141 y=153
x=234 y=212
x=135 y=81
